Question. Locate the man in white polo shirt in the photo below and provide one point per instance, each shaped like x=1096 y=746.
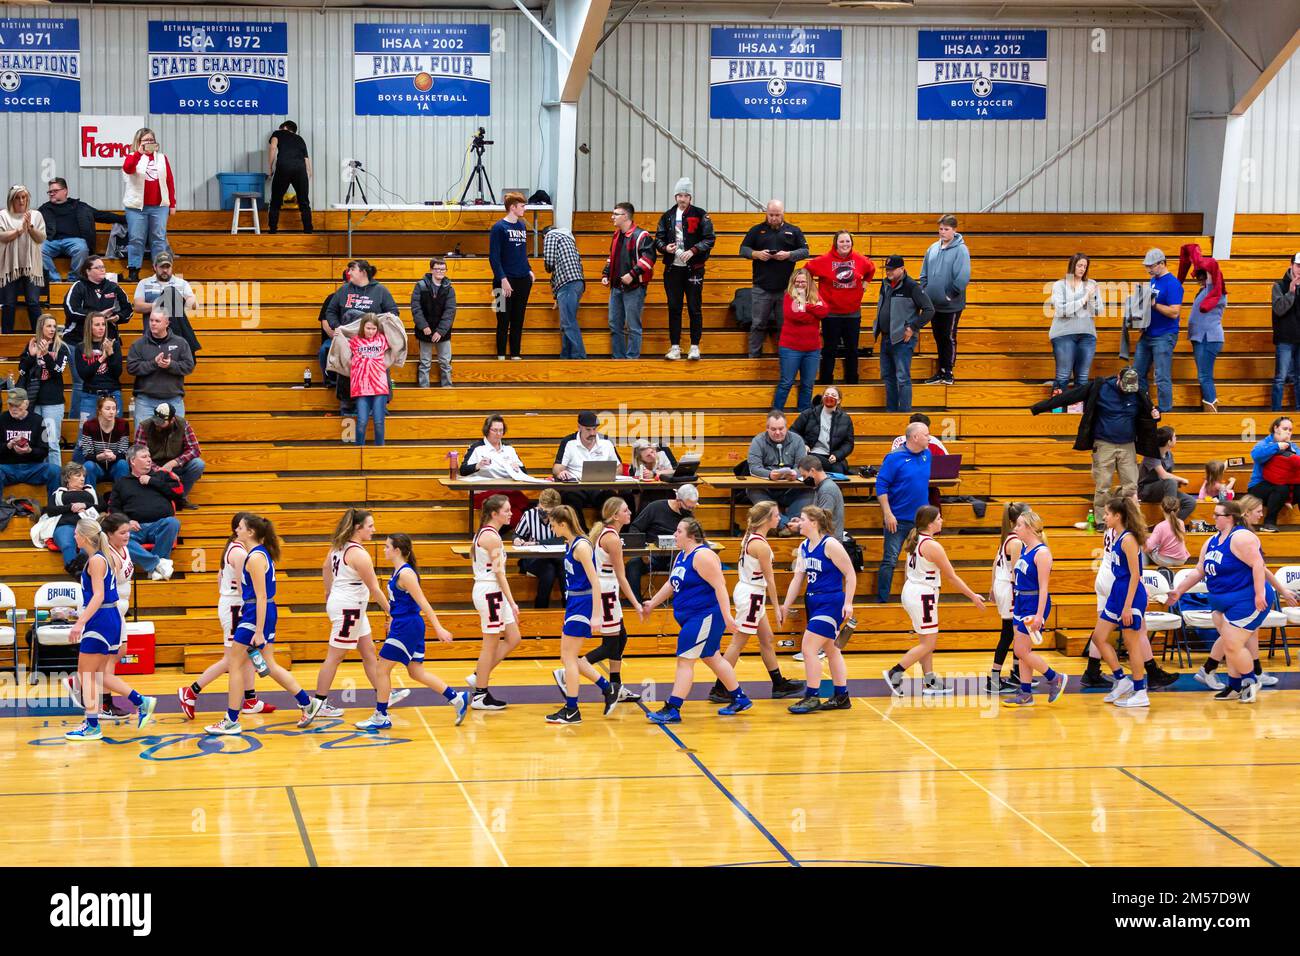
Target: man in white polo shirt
x=576 y=449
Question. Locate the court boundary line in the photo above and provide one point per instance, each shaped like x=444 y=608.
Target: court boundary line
x=302 y=827
x=981 y=786
x=735 y=801
x=1192 y=813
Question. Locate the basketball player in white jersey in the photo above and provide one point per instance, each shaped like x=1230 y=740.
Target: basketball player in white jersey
x=229 y=604
x=350 y=582
x=497 y=611
x=755 y=581
x=927 y=567
x=1002 y=595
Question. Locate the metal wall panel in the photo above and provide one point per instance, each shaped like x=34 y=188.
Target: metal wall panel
x=1270 y=174
x=414 y=158
x=878 y=156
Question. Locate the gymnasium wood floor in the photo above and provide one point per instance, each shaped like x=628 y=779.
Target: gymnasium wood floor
x=902 y=782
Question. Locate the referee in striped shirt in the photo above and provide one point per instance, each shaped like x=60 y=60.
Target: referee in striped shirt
x=534 y=527
x=560 y=256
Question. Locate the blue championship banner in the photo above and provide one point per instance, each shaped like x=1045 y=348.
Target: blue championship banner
x=981 y=74
x=771 y=73
x=223 y=68
x=40 y=66
x=422 y=69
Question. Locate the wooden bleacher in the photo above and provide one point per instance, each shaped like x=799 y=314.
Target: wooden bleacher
x=271 y=445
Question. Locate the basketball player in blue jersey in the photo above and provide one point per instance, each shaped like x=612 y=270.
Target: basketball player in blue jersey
x=256 y=629
x=1126 y=601
x=1029 y=609
x=581 y=610
x=404 y=642
x=826 y=569
x=702 y=609
x=98 y=631
x=1232 y=567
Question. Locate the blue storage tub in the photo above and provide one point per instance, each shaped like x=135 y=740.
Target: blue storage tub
x=232 y=183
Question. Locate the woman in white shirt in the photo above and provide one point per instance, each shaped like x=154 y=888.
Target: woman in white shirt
x=493 y=458
x=1076 y=304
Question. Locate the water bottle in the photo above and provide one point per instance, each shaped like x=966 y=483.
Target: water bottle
x=259 y=662
x=306 y=378
x=1092 y=522
x=846 y=632
x=453 y=464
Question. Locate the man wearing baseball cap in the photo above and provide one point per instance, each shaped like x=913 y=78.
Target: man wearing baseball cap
x=902 y=310
x=1157 y=343
x=24 y=455
x=1286 y=333
x=174 y=447
x=1117 y=425
x=168 y=291
x=576 y=449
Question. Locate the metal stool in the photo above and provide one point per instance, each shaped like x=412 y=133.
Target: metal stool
x=252 y=199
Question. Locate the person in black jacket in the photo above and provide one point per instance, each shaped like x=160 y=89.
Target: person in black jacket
x=1118 y=424
x=94 y=292
x=433 y=308
x=24 y=454
x=827 y=430
x=684 y=239
x=774 y=246
x=70 y=229
x=902 y=310
x=1286 y=333
x=147 y=495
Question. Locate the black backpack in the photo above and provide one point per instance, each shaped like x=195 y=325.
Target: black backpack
x=743 y=308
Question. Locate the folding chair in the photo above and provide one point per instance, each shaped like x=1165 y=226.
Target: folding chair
x=10 y=615
x=1200 y=620
x=1289 y=576
x=50 y=633
x=1162 y=621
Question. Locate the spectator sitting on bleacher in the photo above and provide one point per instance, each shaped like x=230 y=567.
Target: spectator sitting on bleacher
x=22 y=271
x=533 y=527
x=69 y=229
x=328 y=379
x=1271 y=482
x=1286 y=333
x=147 y=495
x=827 y=429
x=171 y=440
x=40 y=372
x=25 y=456
x=433 y=310
x=102 y=443
x=94 y=292
x=656 y=519
x=1156 y=478
x=170 y=292
x=70 y=502
x=491 y=457
x=1167 y=544
x=97 y=369
x=774 y=454
x=576 y=449
x=651 y=462
x=159 y=360
x=826 y=493
x=936 y=446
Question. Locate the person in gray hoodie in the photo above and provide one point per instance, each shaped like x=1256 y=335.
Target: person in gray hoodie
x=775 y=454
x=160 y=359
x=945 y=273
x=902 y=310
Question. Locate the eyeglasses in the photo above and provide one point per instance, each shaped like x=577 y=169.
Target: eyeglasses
x=1220 y=514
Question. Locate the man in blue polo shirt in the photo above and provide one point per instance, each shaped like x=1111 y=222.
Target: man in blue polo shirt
x=903 y=486
x=1158 y=340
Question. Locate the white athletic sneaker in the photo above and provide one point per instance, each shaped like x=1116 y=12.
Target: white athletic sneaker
x=375 y=721
x=821 y=656
x=225 y=727
x=1136 y=699
x=1249 y=693
x=166 y=567
x=329 y=710
x=674 y=353
x=627 y=696
x=1267 y=680
x=1210 y=680
x=936 y=688
x=472 y=680
x=73 y=684
x=694 y=354
x=557 y=675
x=397 y=696
x=1122 y=688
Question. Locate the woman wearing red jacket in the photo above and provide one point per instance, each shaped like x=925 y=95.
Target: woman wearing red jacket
x=799 y=348
x=842 y=276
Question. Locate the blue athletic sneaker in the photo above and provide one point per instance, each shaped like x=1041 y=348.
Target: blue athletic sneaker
x=461 y=703
x=145 y=712
x=1055 y=688
x=740 y=704
x=85 y=732
x=669 y=715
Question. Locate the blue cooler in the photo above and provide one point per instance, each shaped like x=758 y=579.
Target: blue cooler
x=232 y=183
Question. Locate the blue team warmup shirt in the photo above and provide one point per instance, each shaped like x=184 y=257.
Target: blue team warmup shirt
x=905 y=477
x=1169 y=291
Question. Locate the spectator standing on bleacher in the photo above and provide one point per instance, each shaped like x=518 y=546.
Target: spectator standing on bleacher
x=842 y=276
x=561 y=259
x=69 y=229
x=827 y=429
x=288 y=165
x=25 y=456
x=773 y=246
x=685 y=239
x=902 y=310
x=359 y=295
x=799 y=346
x=147 y=495
x=774 y=454
x=433 y=310
x=1117 y=425
x=159 y=360
x=945 y=273
x=103 y=442
x=167 y=291
x=655 y=520
x=149 y=197
x=512 y=276
x=1205 y=320
x=22 y=266
x=576 y=449
x=69 y=502
x=171 y=441
x=97 y=369
x=1076 y=303
x=1286 y=333
x=1156 y=346
x=1156 y=478
x=902 y=487
x=40 y=372
x=627 y=272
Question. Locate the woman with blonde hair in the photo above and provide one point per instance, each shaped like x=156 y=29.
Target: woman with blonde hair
x=40 y=371
x=149 y=197
x=1029 y=610
x=22 y=232
x=799 y=349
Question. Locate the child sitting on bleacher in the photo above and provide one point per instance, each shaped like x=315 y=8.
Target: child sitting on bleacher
x=1214 y=486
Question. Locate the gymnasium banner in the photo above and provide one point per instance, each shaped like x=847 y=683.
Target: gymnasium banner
x=981 y=75
x=422 y=69
x=40 y=66
x=230 y=68
x=774 y=73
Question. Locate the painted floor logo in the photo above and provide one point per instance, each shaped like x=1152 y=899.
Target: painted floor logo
x=77 y=909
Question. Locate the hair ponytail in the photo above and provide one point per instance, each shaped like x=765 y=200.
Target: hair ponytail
x=402 y=544
x=351 y=520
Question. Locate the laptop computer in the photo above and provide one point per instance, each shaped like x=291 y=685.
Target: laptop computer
x=686 y=468
x=633 y=539
x=599 y=471
x=944 y=466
